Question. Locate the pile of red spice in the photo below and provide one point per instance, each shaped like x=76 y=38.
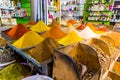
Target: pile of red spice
x=17 y=31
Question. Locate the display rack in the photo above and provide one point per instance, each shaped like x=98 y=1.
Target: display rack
x=71 y=9
x=26 y=6
x=31 y=60
x=6 y=11
x=53 y=10
x=116 y=11
x=98 y=11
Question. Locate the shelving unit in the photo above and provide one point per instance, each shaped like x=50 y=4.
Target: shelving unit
x=71 y=9
x=52 y=11
x=116 y=12
x=98 y=11
x=6 y=14
x=25 y=4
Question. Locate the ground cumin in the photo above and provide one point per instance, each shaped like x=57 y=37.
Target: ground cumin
x=71 y=38
x=44 y=50
x=55 y=33
x=17 y=31
x=29 y=39
x=14 y=71
x=40 y=27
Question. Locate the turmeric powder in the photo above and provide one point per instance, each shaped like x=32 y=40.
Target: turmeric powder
x=29 y=39
x=40 y=27
x=71 y=38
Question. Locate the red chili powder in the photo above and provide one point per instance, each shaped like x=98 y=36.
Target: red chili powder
x=17 y=31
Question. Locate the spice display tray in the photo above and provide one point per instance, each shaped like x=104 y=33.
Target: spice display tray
x=35 y=63
x=5 y=36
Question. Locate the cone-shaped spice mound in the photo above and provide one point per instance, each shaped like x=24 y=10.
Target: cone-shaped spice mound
x=87 y=33
x=70 y=39
x=44 y=50
x=72 y=21
x=29 y=39
x=54 y=24
x=40 y=27
x=55 y=33
x=17 y=31
x=91 y=26
x=68 y=30
x=30 y=23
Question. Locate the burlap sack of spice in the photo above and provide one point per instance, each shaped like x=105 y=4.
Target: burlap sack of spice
x=115 y=36
x=103 y=51
x=101 y=44
x=64 y=67
x=110 y=43
x=44 y=50
x=83 y=55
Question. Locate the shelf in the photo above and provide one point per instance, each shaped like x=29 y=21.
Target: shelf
x=70 y=10
x=99 y=11
x=98 y=16
x=7 y=8
x=97 y=3
x=97 y=21
x=116 y=14
x=72 y=5
x=52 y=10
